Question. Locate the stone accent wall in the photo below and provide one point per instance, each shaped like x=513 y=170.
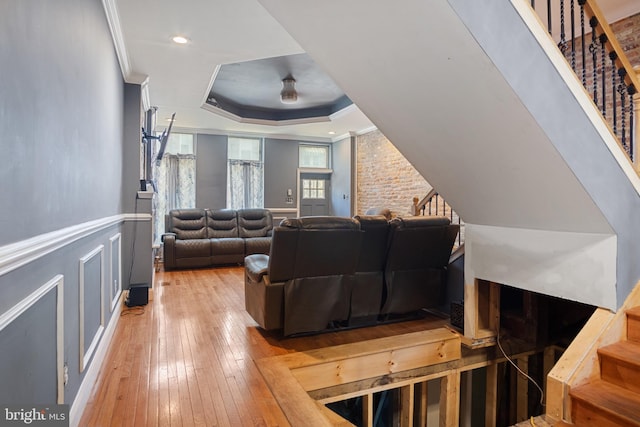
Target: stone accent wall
x=627 y=31
x=385 y=178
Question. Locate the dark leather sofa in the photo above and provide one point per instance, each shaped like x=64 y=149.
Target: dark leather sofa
x=325 y=272
x=204 y=237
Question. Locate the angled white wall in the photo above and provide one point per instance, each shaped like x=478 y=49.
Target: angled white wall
x=468 y=94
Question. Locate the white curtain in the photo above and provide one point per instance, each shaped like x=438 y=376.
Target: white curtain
x=244 y=184
x=176 y=186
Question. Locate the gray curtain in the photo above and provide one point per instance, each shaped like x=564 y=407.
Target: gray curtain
x=176 y=186
x=245 y=184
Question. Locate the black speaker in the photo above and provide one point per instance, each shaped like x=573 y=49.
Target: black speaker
x=138 y=295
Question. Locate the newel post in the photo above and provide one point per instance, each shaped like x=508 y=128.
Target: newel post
x=414 y=207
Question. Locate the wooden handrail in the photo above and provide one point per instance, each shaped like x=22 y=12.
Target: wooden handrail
x=593 y=10
x=419 y=205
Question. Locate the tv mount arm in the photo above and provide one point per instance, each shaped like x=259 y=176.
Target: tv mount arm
x=147 y=138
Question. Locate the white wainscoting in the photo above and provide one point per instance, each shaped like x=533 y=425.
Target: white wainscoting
x=115 y=283
x=91 y=375
x=85 y=355
x=14 y=312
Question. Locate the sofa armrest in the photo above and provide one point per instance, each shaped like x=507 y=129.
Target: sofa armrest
x=169 y=250
x=256 y=267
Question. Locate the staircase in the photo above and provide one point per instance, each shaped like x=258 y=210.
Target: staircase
x=614 y=398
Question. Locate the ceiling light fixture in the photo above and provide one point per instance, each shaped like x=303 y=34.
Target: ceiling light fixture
x=180 y=39
x=288 y=95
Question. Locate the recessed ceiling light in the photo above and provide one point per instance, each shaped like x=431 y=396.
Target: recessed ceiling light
x=180 y=39
x=332 y=133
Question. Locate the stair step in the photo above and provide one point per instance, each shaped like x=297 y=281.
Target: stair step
x=603 y=404
x=633 y=324
x=620 y=364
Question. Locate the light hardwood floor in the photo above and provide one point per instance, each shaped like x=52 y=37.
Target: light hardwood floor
x=188 y=357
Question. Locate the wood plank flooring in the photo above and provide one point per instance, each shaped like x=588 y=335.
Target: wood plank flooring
x=188 y=357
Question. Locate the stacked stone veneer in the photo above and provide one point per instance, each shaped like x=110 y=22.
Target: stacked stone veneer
x=385 y=178
x=628 y=33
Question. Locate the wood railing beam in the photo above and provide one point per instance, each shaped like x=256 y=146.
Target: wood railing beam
x=592 y=9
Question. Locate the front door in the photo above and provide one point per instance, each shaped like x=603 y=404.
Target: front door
x=315 y=194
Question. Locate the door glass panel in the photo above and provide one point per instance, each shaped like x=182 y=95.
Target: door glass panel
x=313 y=189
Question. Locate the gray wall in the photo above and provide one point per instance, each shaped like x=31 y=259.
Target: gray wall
x=280 y=172
x=65 y=136
x=211 y=171
x=131 y=142
x=341 y=178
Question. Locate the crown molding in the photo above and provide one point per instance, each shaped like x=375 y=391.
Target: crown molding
x=113 y=19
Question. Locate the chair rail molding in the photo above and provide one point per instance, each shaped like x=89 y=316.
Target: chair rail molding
x=18 y=254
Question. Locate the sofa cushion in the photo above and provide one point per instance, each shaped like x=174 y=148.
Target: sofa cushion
x=257 y=245
x=192 y=248
x=255 y=222
x=222 y=223
x=188 y=223
x=227 y=246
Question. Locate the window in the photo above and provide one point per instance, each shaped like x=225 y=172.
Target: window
x=313 y=189
x=179 y=143
x=244 y=149
x=245 y=173
x=175 y=179
x=313 y=156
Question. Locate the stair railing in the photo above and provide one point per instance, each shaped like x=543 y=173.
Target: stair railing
x=590 y=46
x=433 y=204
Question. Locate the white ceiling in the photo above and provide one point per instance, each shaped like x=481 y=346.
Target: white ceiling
x=222 y=32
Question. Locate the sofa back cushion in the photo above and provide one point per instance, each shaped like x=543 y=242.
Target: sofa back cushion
x=417 y=258
x=188 y=223
x=420 y=242
x=373 y=250
x=222 y=223
x=314 y=246
x=255 y=222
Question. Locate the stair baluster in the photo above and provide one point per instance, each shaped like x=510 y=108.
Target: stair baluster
x=609 y=99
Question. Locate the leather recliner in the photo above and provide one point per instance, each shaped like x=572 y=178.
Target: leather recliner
x=416 y=263
x=366 y=298
x=306 y=282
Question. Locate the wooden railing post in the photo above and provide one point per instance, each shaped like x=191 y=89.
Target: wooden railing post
x=450 y=400
x=414 y=208
x=491 y=407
